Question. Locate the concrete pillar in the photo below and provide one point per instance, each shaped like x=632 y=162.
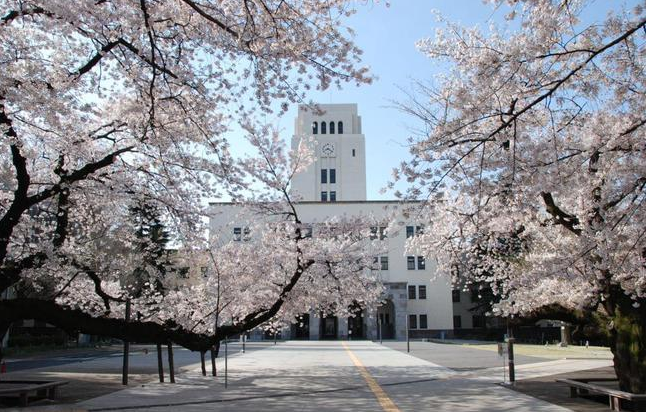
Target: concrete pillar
x=315 y=322
x=370 y=324
x=342 y=328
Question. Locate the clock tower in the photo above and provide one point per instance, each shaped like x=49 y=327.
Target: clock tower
x=338 y=172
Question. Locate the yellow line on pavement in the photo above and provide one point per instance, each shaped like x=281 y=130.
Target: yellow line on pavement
x=385 y=402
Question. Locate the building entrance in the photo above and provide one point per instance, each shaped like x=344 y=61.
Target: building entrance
x=329 y=328
x=386 y=317
x=301 y=329
x=356 y=328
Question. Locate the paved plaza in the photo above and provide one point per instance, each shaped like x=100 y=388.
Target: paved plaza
x=333 y=376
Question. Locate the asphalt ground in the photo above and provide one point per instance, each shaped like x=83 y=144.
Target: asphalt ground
x=458 y=357
x=93 y=373
x=315 y=376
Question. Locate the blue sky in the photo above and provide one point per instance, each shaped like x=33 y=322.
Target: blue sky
x=387 y=35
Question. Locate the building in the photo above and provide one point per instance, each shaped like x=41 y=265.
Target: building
x=334 y=185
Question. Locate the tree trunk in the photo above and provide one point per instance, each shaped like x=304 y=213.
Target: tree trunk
x=160 y=363
x=214 y=354
x=4 y=329
x=628 y=343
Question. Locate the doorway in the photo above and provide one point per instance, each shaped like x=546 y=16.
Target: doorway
x=329 y=327
x=386 y=317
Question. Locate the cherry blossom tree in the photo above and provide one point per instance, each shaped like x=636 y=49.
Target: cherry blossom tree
x=109 y=104
x=537 y=136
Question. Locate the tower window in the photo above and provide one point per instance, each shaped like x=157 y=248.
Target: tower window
x=332 y=175
x=331 y=127
x=324 y=176
x=354 y=152
x=315 y=128
x=332 y=196
x=340 y=129
x=323 y=196
x=323 y=128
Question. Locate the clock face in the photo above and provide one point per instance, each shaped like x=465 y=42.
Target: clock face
x=328 y=149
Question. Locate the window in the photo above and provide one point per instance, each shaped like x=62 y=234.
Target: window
x=354 y=152
x=332 y=175
x=411 y=292
x=246 y=234
x=423 y=322
x=421 y=263
x=422 y=292
x=455 y=295
x=323 y=128
x=384 y=263
x=412 y=321
x=340 y=128
x=331 y=127
x=323 y=175
x=377 y=231
x=315 y=128
x=332 y=196
x=323 y=196
x=237 y=234
x=307 y=231
x=414 y=230
x=457 y=322
x=204 y=271
x=410 y=262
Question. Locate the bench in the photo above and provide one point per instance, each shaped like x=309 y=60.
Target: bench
x=584 y=387
x=23 y=389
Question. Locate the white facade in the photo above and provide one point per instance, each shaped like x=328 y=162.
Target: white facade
x=339 y=145
x=430 y=303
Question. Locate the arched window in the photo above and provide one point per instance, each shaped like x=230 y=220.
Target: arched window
x=331 y=127
x=315 y=128
x=340 y=128
x=323 y=128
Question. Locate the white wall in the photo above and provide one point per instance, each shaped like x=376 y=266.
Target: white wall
x=348 y=159
x=437 y=305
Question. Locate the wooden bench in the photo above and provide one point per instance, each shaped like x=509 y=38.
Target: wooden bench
x=23 y=389
x=584 y=387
